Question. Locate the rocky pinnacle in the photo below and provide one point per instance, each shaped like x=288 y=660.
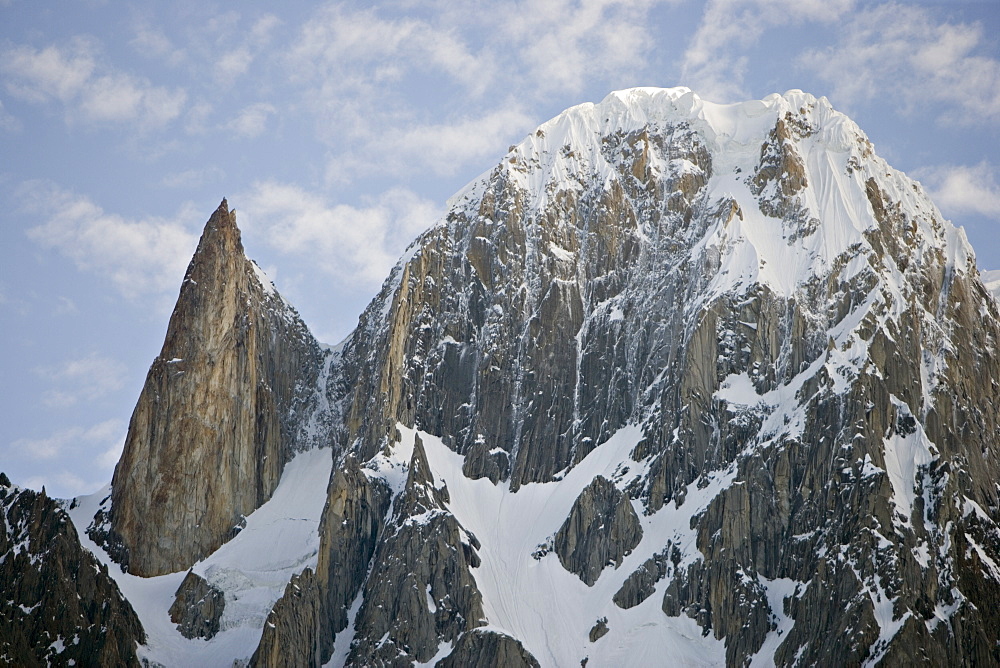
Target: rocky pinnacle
x=210 y=433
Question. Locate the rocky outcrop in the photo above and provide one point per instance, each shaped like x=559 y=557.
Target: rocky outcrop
x=197 y=608
x=218 y=416
x=291 y=634
x=601 y=529
x=641 y=584
x=59 y=606
x=349 y=533
x=599 y=630
x=313 y=611
x=479 y=648
x=420 y=592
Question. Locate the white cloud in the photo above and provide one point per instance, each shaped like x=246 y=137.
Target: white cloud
x=106 y=436
x=52 y=73
x=101 y=443
x=561 y=45
x=233 y=63
x=442 y=149
x=902 y=55
x=83 y=379
x=65 y=306
x=73 y=77
x=356 y=244
x=196 y=121
x=715 y=64
x=961 y=189
x=359 y=73
x=151 y=42
x=145 y=257
x=237 y=57
x=354 y=49
x=191 y=178
x=7 y=121
x=251 y=121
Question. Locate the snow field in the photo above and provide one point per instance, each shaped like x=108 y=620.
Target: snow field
x=281 y=539
x=550 y=609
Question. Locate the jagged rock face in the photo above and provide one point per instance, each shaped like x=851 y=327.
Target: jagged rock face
x=735 y=319
x=352 y=524
x=218 y=416
x=291 y=634
x=770 y=302
x=316 y=608
x=599 y=630
x=197 y=608
x=421 y=591
x=59 y=605
x=601 y=528
x=486 y=649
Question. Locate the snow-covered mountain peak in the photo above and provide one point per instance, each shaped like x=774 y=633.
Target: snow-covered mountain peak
x=806 y=190
x=742 y=294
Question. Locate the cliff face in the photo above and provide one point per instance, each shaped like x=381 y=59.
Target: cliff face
x=59 y=605
x=219 y=414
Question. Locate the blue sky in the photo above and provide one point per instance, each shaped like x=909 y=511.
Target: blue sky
x=338 y=130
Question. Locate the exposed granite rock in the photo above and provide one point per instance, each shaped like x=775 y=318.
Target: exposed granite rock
x=197 y=607
x=479 y=648
x=537 y=321
x=545 y=371
x=842 y=412
x=420 y=592
x=641 y=584
x=217 y=417
x=822 y=510
x=352 y=524
x=483 y=463
x=599 y=630
x=58 y=604
x=602 y=528
x=291 y=634
x=310 y=614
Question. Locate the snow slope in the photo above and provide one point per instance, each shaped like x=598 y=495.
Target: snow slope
x=538 y=601
x=280 y=539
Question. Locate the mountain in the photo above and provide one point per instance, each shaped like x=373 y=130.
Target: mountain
x=59 y=605
x=674 y=383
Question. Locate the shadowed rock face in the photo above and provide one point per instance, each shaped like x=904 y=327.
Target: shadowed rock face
x=314 y=608
x=197 y=608
x=58 y=605
x=420 y=591
x=601 y=528
x=216 y=420
x=291 y=635
x=486 y=649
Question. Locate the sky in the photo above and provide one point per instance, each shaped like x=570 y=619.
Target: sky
x=338 y=131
